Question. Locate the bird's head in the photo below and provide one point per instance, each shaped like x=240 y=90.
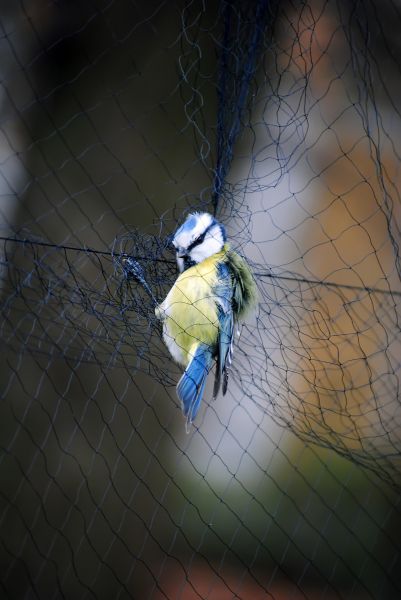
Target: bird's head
x=199 y=237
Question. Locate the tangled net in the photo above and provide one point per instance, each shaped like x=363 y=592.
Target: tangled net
x=320 y=358
x=280 y=118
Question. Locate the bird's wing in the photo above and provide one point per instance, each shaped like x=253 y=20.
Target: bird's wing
x=224 y=293
x=236 y=294
x=245 y=292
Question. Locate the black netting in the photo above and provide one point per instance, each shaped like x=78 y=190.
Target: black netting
x=118 y=118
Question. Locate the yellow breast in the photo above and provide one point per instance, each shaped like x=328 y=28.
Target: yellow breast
x=189 y=312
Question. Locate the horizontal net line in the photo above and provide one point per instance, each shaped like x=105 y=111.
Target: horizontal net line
x=290 y=277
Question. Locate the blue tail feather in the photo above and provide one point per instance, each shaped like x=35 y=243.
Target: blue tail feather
x=191 y=386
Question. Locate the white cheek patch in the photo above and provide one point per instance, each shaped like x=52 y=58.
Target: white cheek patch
x=210 y=246
x=183 y=239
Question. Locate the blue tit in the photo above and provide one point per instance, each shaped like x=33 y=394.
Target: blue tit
x=215 y=288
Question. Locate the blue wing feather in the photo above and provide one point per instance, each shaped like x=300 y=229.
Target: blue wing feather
x=224 y=293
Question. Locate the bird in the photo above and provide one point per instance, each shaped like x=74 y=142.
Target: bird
x=215 y=288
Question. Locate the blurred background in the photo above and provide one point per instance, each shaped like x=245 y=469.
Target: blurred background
x=116 y=118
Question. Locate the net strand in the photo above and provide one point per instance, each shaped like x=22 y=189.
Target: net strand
x=290 y=277
x=116 y=121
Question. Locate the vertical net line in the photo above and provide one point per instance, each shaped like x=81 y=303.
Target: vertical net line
x=245 y=27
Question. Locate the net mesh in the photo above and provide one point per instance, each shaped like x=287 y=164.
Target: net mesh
x=117 y=118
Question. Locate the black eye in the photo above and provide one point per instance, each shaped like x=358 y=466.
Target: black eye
x=199 y=239
x=196 y=242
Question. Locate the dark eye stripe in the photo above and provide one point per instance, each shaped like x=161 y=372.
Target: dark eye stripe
x=200 y=238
